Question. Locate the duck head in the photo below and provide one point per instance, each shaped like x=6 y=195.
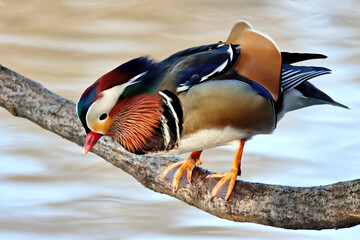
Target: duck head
x=118 y=103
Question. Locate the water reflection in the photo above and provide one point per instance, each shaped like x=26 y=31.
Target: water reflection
x=48 y=190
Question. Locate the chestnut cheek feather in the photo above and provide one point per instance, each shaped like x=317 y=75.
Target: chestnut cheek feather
x=135 y=120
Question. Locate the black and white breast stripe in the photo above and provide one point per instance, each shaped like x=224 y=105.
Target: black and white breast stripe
x=171 y=120
x=292 y=76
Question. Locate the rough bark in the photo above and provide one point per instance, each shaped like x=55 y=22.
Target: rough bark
x=320 y=207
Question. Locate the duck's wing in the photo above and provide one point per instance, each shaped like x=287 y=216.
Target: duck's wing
x=246 y=55
x=203 y=66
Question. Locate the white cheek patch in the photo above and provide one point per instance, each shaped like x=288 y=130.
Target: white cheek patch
x=108 y=99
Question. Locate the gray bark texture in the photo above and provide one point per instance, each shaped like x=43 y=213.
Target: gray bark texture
x=320 y=207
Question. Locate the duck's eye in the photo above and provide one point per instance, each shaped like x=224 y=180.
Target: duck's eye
x=103 y=116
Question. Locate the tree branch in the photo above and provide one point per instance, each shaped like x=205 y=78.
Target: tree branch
x=321 y=207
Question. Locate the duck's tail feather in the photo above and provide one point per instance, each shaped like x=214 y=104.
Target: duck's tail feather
x=292 y=76
x=315 y=96
x=289 y=58
x=298 y=93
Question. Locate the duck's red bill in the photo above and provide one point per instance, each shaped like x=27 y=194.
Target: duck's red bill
x=91 y=139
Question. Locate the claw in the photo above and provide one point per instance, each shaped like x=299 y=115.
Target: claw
x=175 y=172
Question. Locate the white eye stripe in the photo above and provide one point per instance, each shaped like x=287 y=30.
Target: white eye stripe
x=133 y=80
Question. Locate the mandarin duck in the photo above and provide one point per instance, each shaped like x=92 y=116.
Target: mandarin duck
x=200 y=98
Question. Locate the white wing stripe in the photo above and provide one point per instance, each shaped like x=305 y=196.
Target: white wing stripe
x=289 y=73
x=182 y=88
x=218 y=69
x=294 y=78
x=287 y=81
x=302 y=79
x=307 y=77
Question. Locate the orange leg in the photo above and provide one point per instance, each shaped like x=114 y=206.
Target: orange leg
x=175 y=171
x=227 y=181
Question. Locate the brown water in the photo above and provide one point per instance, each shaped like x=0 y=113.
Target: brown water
x=49 y=191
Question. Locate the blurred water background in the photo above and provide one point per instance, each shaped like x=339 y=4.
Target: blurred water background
x=49 y=191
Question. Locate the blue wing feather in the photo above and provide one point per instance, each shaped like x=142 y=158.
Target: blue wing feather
x=202 y=66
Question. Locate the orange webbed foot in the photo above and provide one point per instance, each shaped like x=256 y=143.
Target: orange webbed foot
x=224 y=187
x=175 y=172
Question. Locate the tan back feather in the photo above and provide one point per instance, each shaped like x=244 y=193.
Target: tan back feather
x=237 y=32
x=260 y=58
